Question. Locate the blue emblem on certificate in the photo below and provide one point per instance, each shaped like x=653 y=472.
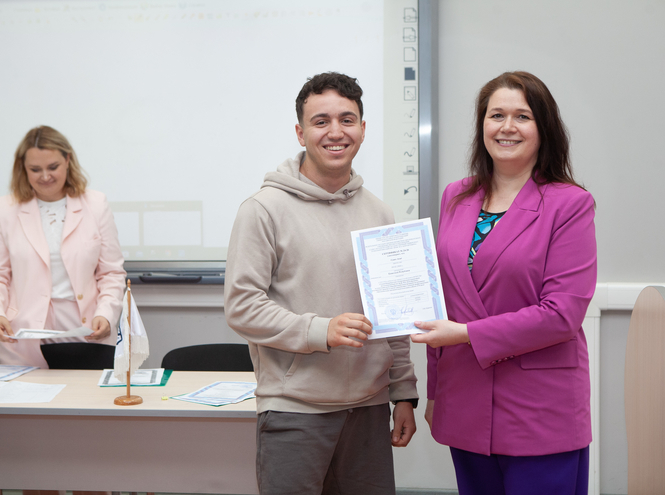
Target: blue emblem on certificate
x=393 y=312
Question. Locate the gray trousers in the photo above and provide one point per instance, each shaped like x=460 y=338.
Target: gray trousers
x=341 y=453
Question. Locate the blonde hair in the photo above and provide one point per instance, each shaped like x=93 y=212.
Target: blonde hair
x=46 y=138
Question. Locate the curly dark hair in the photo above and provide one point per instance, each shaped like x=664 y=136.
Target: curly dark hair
x=344 y=85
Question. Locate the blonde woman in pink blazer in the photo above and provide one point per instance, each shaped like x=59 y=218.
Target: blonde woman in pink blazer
x=60 y=261
x=508 y=373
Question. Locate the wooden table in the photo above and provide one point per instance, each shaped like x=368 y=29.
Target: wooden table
x=82 y=441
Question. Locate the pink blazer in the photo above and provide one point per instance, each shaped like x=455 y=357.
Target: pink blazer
x=522 y=387
x=90 y=252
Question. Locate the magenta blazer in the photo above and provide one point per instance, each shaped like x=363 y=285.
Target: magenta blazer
x=522 y=387
x=90 y=252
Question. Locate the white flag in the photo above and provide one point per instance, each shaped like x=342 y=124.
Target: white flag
x=140 y=350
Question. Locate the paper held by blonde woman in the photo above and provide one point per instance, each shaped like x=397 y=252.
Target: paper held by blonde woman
x=35 y=333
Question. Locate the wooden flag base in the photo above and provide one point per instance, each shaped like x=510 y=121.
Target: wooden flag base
x=128 y=400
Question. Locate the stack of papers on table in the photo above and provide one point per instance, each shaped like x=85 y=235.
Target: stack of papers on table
x=11 y=371
x=221 y=393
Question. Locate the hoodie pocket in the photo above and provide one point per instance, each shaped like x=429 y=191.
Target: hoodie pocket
x=343 y=376
x=294 y=366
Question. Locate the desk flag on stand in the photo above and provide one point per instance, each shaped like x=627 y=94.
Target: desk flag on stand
x=131 y=348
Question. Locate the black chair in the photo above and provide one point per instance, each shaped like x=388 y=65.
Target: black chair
x=78 y=356
x=209 y=357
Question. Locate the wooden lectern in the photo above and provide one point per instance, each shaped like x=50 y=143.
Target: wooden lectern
x=644 y=394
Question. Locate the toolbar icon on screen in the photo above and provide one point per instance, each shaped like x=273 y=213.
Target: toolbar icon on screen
x=410 y=54
x=410 y=15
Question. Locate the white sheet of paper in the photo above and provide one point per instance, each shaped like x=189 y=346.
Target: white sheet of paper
x=33 y=333
x=22 y=392
x=11 y=371
x=225 y=390
x=398 y=276
x=220 y=393
x=140 y=377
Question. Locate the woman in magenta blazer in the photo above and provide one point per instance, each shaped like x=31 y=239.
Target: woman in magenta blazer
x=508 y=373
x=60 y=261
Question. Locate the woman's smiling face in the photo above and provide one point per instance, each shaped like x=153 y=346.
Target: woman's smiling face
x=47 y=173
x=510 y=132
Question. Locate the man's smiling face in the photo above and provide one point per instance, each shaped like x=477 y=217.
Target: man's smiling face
x=331 y=132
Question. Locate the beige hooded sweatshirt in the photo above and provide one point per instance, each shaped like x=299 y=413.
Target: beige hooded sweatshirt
x=290 y=270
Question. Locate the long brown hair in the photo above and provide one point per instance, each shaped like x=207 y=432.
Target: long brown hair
x=553 y=162
x=46 y=138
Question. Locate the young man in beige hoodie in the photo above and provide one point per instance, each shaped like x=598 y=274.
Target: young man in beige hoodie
x=291 y=290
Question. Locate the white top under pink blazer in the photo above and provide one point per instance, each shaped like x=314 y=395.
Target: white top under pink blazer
x=91 y=255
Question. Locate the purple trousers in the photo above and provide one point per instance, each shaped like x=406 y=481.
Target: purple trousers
x=566 y=473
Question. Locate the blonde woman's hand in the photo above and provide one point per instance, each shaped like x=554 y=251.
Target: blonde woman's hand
x=101 y=328
x=6 y=331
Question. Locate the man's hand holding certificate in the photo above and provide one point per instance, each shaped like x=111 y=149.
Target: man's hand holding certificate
x=398 y=275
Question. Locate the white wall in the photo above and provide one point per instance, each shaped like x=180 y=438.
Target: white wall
x=603 y=62
x=614 y=447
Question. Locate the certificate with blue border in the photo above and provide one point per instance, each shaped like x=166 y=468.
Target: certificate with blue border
x=398 y=276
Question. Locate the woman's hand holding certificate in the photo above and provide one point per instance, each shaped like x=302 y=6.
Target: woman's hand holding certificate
x=442 y=333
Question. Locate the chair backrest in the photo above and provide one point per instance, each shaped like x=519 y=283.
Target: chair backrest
x=209 y=357
x=78 y=356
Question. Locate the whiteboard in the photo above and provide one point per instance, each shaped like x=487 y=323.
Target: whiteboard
x=177 y=110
